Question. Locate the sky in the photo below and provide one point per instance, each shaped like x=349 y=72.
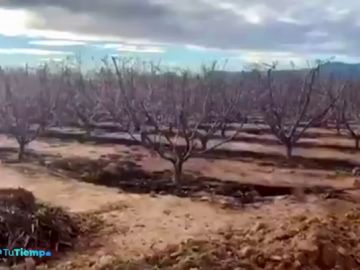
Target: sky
x=180 y=32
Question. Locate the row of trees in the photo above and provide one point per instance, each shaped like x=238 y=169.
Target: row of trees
x=175 y=114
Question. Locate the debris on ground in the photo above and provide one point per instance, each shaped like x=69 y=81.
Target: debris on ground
x=27 y=224
x=330 y=242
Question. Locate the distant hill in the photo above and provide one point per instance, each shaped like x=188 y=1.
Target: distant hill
x=342 y=70
x=337 y=69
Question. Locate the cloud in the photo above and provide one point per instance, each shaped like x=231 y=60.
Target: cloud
x=14 y=22
x=57 y=43
x=199 y=48
x=134 y=48
x=30 y=51
x=309 y=27
x=282 y=58
x=52 y=59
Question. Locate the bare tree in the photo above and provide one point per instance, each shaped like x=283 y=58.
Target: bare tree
x=291 y=104
x=83 y=101
x=26 y=107
x=350 y=112
x=334 y=118
x=47 y=98
x=157 y=102
x=110 y=98
x=223 y=107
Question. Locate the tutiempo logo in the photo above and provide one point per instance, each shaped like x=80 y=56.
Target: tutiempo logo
x=21 y=252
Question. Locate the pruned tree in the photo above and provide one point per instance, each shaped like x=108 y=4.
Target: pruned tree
x=349 y=107
x=156 y=102
x=47 y=98
x=110 y=98
x=223 y=107
x=83 y=101
x=334 y=118
x=292 y=103
x=25 y=110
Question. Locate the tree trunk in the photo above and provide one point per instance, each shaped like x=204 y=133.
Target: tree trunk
x=223 y=131
x=338 y=130
x=178 y=167
x=137 y=128
x=338 y=127
x=21 y=151
x=171 y=131
x=289 y=148
x=88 y=131
x=143 y=137
x=204 y=141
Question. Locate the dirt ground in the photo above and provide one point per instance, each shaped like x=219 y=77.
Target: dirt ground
x=138 y=224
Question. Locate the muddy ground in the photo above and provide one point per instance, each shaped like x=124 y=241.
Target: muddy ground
x=139 y=221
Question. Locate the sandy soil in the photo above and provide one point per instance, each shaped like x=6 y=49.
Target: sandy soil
x=149 y=224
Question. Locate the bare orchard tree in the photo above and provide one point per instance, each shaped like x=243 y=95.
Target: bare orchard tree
x=223 y=105
x=291 y=103
x=26 y=109
x=83 y=101
x=47 y=98
x=156 y=102
x=350 y=111
x=334 y=118
x=110 y=98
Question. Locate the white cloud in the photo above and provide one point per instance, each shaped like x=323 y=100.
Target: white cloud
x=255 y=14
x=14 y=22
x=335 y=13
x=133 y=48
x=30 y=51
x=21 y=22
x=52 y=59
x=197 y=48
x=74 y=36
x=283 y=59
x=317 y=34
x=57 y=43
x=290 y=20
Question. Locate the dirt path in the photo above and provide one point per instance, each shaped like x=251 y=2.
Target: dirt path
x=68 y=193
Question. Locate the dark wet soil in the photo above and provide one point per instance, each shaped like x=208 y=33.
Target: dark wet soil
x=129 y=177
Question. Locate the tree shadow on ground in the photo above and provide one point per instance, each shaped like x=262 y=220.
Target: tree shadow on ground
x=277 y=160
x=265 y=159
